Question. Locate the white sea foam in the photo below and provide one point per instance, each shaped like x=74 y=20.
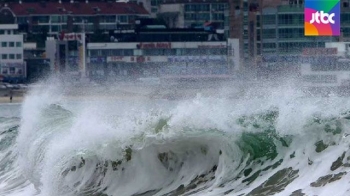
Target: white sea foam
x=200 y=146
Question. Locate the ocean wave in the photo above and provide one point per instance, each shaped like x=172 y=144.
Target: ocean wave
x=202 y=146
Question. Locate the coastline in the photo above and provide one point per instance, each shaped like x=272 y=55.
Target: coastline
x=161 y=91
x=14 y=99
x=17 y=95
x=119 y=91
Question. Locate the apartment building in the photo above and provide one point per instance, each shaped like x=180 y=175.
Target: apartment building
x=168 y=54
x=11 y=48
x=280 y=29
x=189 y=13
x=11 y=44
x=276 y=27
x=272 y=31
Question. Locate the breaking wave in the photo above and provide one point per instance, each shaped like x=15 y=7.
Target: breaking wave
x=280 y=145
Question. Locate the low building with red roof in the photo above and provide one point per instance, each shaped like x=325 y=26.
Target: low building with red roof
x=55 y=17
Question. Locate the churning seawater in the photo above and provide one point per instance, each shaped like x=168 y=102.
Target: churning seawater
x=281 y=144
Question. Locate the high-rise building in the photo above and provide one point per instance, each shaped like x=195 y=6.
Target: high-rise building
x=277 y=27
x=271 y=28
x=198 y=13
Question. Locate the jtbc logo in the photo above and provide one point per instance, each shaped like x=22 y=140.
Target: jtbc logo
x=324 y=17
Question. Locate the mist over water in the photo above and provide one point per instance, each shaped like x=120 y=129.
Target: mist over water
x=184 y=138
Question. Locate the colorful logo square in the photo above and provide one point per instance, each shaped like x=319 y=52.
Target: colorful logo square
x=322 y=18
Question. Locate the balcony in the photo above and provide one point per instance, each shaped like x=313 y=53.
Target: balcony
x=290 y=9
x=290 y=25
x=41 y=19
x=296 y=39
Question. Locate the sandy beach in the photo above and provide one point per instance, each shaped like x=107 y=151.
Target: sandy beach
x=114 y=93
x=17 y=95
x=14 y=99
x=125 y=90
x=96 y=93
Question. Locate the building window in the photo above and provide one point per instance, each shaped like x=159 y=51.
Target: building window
x=291 y=19
x=64 y=19
x=18 y=56
x=189 y=7
x=105 y=52
x=159 y=52
x=218 y=16
x=55 y=19
x=41 y=19
x=108 y=19
x=269 y=19
x=154 y=10
x=204 y=7
x=197 y=7
x=203 y=16
x=345 y=19
x=12 y=56
x=123 y=19
x=291 y=33
x=11 y=44
x=4 y=56
x=93 y=52
x=122 y=52
x=18 y=44
x=5 y=71
x=2 y=32
x=218 y=7
x=22 y=20
x=269 y=33
x=190 y=16
x=55 y=28
x=155 y=2
x=269 y=45
x=12 y=70
x=3 y=44
x=345 y=32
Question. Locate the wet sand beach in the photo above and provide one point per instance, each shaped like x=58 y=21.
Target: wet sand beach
x=111 y=93
x=123 y=90
x=17 y=95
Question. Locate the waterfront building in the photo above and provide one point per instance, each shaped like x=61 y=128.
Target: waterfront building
x=276 y=27
x=273 y=31
x=53 y=17
x=188 y=13
x=38 y=66
x=165 y=54
x=12 y=67
x=327 y=67
x=35 y=21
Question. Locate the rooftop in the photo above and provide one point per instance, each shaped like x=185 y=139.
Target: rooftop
x=77 y=8
x=8 y=26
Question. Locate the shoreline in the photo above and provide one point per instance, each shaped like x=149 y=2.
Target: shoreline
x=17 y=95
x=177 y=91
x=128 y=92
x=121 y=91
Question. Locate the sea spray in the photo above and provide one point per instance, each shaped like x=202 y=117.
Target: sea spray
x=282 y=143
